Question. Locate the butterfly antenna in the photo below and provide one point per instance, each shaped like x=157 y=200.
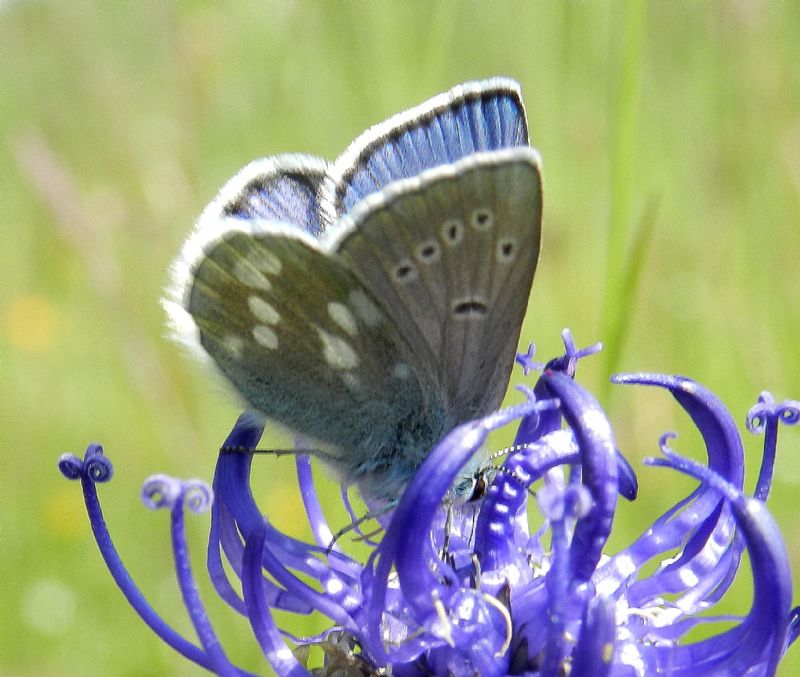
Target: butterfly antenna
x=508 y=471
x=354 y=526
x=515 y=478
x=367 y=538
x=511 y=450
x=314 y=453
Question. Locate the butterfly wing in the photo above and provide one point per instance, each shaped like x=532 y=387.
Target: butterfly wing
x=470 y=118
x=452 y=253
x=282 y=188
x=377 y=331
x=295 y=332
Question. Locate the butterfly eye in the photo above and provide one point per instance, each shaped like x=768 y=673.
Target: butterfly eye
x=482 y=219
x=453 y=232
x=479 y=488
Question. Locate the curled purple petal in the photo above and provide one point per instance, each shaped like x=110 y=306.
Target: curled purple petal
x=197 y=495
x=161 y=491
x=486 y=585
x=193 y=494
x=118 y=570
x=764 y=418
x=70 y=466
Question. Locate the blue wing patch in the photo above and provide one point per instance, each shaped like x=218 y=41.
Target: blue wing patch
x=470 y=118
x=284 y=188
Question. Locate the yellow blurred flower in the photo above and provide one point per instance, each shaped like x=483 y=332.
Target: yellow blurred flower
x=30 y=323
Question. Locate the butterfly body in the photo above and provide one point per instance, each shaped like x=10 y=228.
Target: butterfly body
x=375 y=303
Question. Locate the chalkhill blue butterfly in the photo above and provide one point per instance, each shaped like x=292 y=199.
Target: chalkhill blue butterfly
x=374 y=303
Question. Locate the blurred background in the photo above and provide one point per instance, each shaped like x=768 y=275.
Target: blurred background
x=670 y=134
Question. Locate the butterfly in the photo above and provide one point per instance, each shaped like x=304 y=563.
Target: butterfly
x=373 y=303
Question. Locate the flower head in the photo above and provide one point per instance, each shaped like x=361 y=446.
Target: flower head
x=465 y=589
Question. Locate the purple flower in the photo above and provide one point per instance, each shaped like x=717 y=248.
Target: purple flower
x=468 y=589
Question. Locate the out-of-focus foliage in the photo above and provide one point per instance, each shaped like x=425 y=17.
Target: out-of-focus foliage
x=678 y=121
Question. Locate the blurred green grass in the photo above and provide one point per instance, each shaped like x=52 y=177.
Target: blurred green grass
x=121 y=120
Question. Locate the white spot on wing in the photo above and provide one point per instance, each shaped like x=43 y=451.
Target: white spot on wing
x=351 y=380
x=265 y=261
x=244 y=272
x=401 y=370
x=265 y=336
x=364 y=308
x=338 y=353
x=234 y=344
x=263 y=310
x=342 y=316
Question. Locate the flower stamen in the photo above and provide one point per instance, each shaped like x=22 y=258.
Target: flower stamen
x=504 y=612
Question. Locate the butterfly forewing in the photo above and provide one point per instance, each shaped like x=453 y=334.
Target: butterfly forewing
x=452 y=255
x=470 y=118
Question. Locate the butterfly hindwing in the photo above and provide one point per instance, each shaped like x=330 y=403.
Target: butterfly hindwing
x=284 y=188
x=299 y=336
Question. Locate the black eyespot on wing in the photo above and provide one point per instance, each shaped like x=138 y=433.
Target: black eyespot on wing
x=482 y=219
x=470 y=308
x=427 y=251
x=453 y=232
x=405 y=272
